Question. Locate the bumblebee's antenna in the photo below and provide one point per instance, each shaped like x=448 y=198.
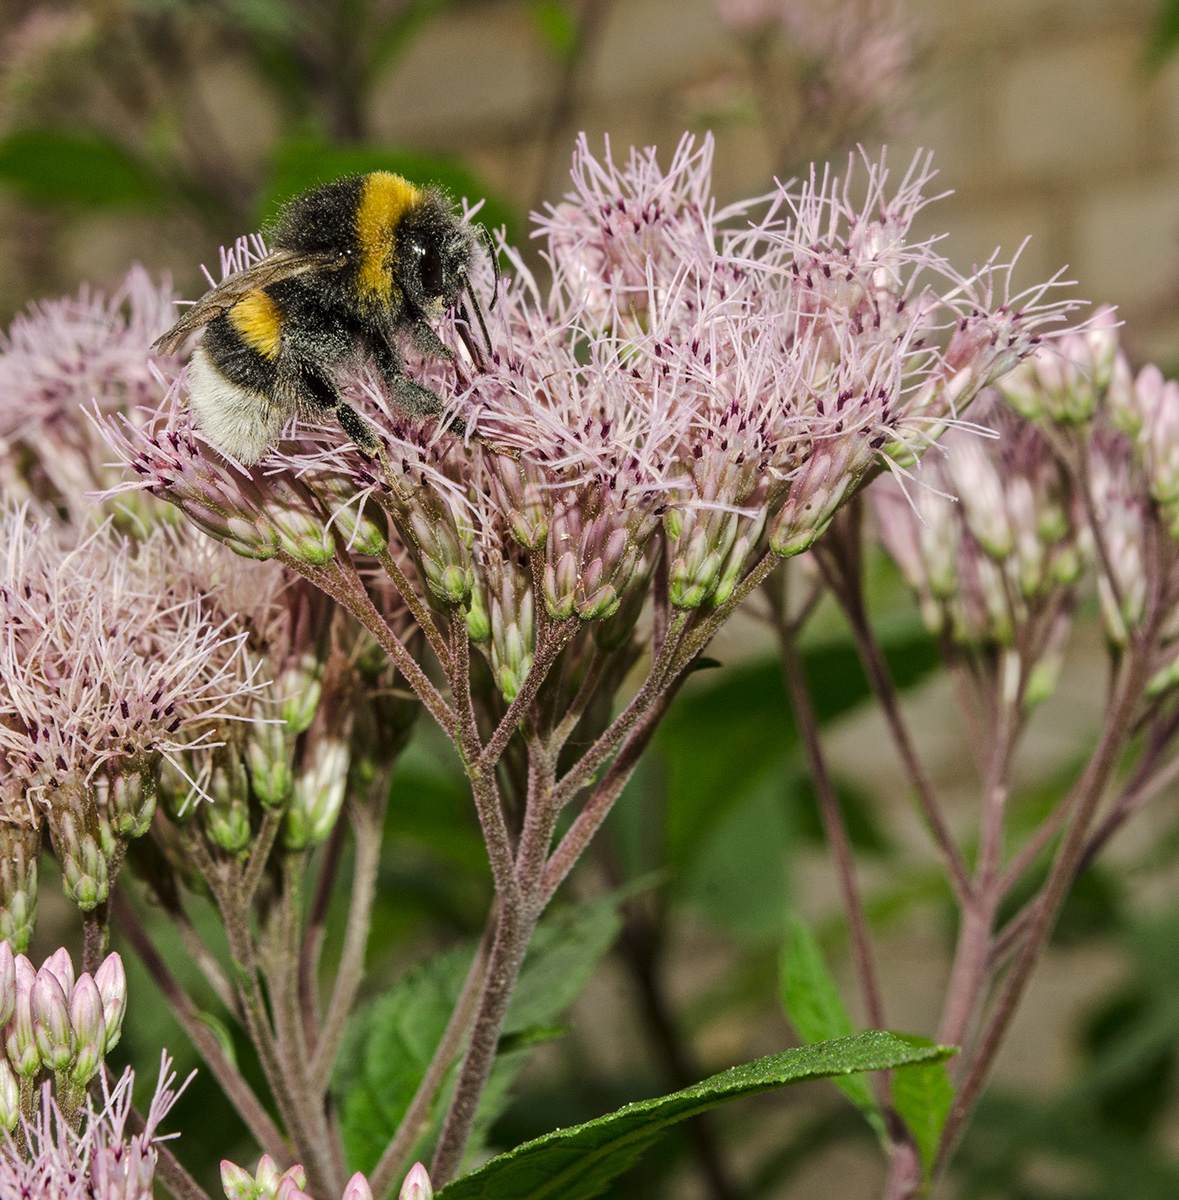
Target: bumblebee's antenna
x=478 y=313
x=464 y=333
x=494 y=256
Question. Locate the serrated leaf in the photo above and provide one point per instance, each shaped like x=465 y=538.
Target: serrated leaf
x=63 y=167
x=578 y=1163
x=815 y=1008
x=922 y=1095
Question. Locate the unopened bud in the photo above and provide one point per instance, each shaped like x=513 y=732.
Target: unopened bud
x=317 y=796
x=363 y=526
x=268 y=758
x=288 y=1189
x=478 y=618
x=7 y=983
x=61 y=965
x=111 y=981
x=560 y=586
x=300 y=687
x=20 y=852
x=237 y=1182
x=20 y=1043
x=267 y=1176
x=980 y=492
x=416 y=1185
x=443 y=557
x=89 y=1028
x=9 y=1097
x=357 y=1189
x=83 y=867
x=51 y=1022
x=227 y=823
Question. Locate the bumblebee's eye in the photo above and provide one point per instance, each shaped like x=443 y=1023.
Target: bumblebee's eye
x=431 y=269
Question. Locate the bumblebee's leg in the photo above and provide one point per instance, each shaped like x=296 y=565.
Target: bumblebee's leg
x=426 y=341
x=409 y=396
x=322 y=395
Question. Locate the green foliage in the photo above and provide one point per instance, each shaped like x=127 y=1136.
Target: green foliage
x=708 y=774
x=60 y=166
x=922 y=1095
x=1164 y=38
x=815 y=1008
x=390 y=1042
x=301 y=163
x=578 y=1163
x=556 y=23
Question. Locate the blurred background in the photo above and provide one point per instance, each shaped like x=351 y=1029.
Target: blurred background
x=158 y=130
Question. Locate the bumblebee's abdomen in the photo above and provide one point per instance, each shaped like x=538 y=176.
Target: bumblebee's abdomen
x=244 y=343
x=258 y=321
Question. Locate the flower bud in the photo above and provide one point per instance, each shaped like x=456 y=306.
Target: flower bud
x=560 y=586
x=478 y=619
x=130 y=802
x=980 y=492
x=83 y=867
x=513 y=633
x=267 y=1176
x=237 y=1182
x=300 y=687
x=268 y=756
x=89 y=1028
x=20 y=1043
x=9 y=1097
x=1121 y=401
x=20 y=854
x=51 y=1022
x=522 y=500
x=694 y=570
x=288 y=1189
x=443 y=556
x=357 y=1188
x=815 y=496
x=7 y=983
x=363 y=526
x=317 y=796
x=227 y=820
x=61 y=966
x=416 y=1185
x=111 y=981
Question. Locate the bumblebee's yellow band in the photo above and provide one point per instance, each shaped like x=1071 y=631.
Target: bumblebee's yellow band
x=258 y=319
x=383 y=202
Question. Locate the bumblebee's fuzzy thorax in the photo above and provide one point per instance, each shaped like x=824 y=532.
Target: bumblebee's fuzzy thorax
x=384 y=201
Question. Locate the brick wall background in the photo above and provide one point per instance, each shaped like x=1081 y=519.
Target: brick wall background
x=1041 y=114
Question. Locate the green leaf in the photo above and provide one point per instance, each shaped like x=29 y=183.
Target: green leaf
x=390 y=1041
x=556 y=23
x=578 y=1163
x=815 y=1008
x=709 y=773
x=1164 y=38
x=300 y=164
x=922 y=1095
x=60 y=166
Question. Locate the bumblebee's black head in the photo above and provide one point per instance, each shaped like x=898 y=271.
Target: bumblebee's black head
x=432 y=253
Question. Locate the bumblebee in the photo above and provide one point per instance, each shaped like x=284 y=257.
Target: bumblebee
x=357 y=267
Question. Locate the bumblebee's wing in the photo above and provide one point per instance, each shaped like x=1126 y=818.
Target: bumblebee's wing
x=283 y=264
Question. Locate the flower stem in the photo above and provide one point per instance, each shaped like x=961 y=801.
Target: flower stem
x=393 y=1161
x=240 y=1095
